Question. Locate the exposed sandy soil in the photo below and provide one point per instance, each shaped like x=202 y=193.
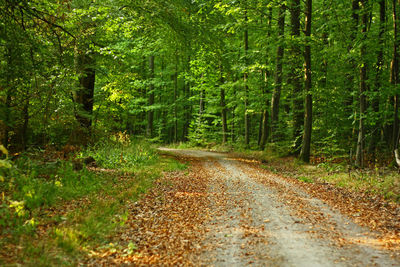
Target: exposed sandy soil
x=229 y=212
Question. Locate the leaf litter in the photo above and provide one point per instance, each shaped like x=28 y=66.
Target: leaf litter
x=208 y=217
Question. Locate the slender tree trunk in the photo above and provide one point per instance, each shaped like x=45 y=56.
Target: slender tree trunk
x=375 y=104
x=306 y=143
x=224 y=118
x=264 y=123
x=350 y=76
x=394 y=73
x=233 y=137
x=223 y=109
x=246 y=87
x=150 y=113
x=261 y=126
x=7 y=116
x=175 y=101
x=201 y=107
x=363 y=88
x=295 y=79
x=350 y=87
x=9 y=82
x=265 y=128
x=187 y=105
x=276 y=95
x=24 y=133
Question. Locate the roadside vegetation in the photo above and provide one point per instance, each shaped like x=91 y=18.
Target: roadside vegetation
x=55 y=208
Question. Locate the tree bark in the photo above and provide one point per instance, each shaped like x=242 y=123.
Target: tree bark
x=394 y=74
x=223 y=109
x=265 y=128
x=348 y=102
x=295 y=75
x=9 y=81
x=379 y=64
x=265 y=131
x=363 y=88
x=246 y=87
x=276 y=95
x=83 y=96
x=187 y=105
x=306 y=142
x=7 y=119
x=175 y=101
x=150 y=112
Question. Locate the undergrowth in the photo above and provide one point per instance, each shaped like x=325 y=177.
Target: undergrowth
x=51 y=214
x=380 y=180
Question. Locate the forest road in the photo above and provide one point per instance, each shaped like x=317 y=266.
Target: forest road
x=260 y=219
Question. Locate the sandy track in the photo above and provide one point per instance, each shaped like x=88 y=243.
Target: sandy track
x=263 y=220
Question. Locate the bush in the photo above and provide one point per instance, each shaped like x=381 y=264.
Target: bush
x=121 y=152
x=30 y=183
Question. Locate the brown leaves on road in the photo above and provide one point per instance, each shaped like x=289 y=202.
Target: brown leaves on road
x=380 y=216
x=164 y=227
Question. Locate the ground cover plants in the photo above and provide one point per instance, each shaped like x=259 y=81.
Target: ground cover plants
x=53 y=210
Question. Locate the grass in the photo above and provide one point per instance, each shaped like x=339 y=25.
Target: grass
x=52 y=214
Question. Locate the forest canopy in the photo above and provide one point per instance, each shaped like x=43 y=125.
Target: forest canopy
x=314 y=77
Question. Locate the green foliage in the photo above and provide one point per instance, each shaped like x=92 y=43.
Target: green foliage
x=30 y=184
x=122 y=153
x=43 y=192
x=305 y=179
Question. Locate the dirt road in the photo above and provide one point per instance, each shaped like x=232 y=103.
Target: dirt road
x=260 y=219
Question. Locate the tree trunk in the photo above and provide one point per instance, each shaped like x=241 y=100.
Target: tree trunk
x=375 y=104
x=24 y=133
x=265 y=131
x=7 y=119
x=7 y=108
x=233 y=137
x=348 y=102
x=261 y=126
x=187 y=105
x=276 y=95
x=175 y=101
x=363 y=88
x=223 y=109
x=246 y=88
x=295 y=75
x=394 y=74
x=150 y=112
x=83 y=96
x=306 y=142
x=265 y=128
x=201 y=108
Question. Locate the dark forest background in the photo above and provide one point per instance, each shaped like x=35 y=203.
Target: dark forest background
x=313 y=78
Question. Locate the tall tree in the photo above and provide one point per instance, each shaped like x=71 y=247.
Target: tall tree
x=276 y=95
x=150 y=112
x=363 y=86
x=394 y=72
x=306 y=143
x=295 y=74
x=245 y=79
x=376 y=132
x=223 y=108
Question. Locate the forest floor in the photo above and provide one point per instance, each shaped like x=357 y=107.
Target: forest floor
x=225 y=210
